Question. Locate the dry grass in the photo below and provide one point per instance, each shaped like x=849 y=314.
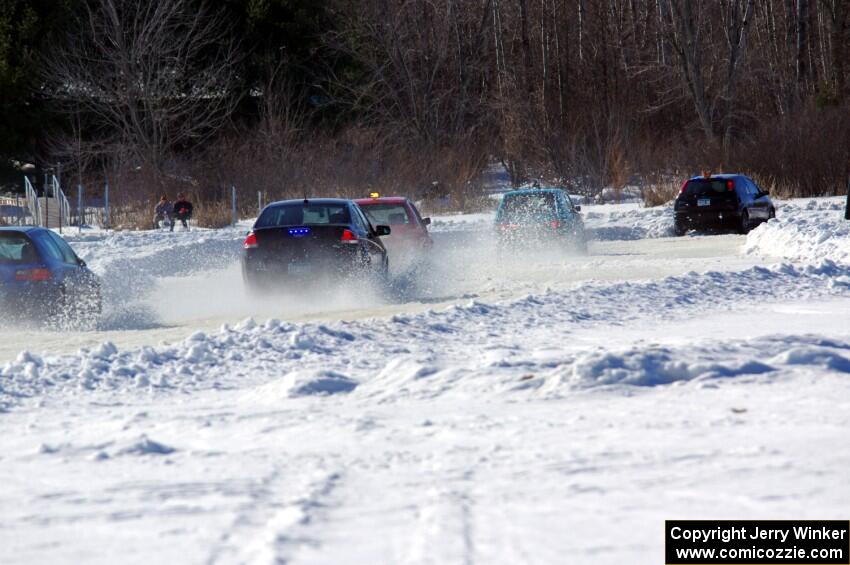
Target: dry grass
x=133 y=216
x=659 y=193
x=210 y=214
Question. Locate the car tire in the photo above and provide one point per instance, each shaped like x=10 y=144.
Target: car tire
x=679 y=230
x=771 y=214
x=61 y=311
x=744 y=226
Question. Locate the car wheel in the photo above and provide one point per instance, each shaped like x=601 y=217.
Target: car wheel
x=679 y=229
x=771 y=214
x=744 y=227
x=97 y=303
x=81 y=306
x=59 y=311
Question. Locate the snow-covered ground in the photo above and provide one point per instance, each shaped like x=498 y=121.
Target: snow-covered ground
x=527 y=410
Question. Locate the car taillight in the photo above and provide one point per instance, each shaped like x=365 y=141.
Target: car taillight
x=554 y=224
x=348 y=237
x=730 y=185
x=682 y=189
x=251 y=241
x=32 y=275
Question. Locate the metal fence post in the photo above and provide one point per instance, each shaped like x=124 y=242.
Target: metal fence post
x=847 y=205
x=234 y=216
x=46 y=213
x=59 y=203
x=80 y=208
x=259 y=202
x=106 y=205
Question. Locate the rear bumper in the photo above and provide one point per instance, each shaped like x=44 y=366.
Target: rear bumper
x=710 y=218
x=262 y=272
x=28 y=300
x=540 y=239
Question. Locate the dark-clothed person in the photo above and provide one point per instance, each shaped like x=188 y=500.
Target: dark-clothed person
x=182 y=211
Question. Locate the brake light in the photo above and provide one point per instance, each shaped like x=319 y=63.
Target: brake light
x=251 y=241
x=554 y=224
x=33 y=275
x=684 y=184
x=730 y=185
x=348 y=237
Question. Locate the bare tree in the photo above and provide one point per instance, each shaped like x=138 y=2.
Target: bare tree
x=687 y=39
x=151 y=76
x=737 y=15
x=802 y=43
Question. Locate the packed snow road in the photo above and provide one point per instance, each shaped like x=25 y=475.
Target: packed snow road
x=163 y=308
x=506 y=412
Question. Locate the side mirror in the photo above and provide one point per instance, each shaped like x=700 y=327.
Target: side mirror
x=80 y=262
x=577 y=208
x=382 y=230
x=426 y=221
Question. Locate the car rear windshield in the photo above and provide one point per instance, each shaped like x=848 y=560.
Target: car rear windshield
x=528 y=207
x=707 y=187
x=386 y=214
x=16 y=248
x=301 y=214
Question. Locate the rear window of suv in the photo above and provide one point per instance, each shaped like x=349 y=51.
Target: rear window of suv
x=706 y=187
x=530 y=207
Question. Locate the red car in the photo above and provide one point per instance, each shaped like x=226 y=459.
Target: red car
x=398 y=212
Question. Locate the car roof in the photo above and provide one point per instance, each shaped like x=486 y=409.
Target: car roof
x=722 y=176
x=381 y=200
x=19 y=229
x=533 y=191
x=312 y=201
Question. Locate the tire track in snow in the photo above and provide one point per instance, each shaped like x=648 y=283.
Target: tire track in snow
x=274 y=525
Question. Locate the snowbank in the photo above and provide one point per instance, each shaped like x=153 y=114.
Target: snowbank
x=628 y=221
x=809 y=231
x=429 y=353
x=664 y=365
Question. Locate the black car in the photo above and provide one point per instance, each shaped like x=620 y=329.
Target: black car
x=721 y=201
x=302 y=240
x=41 y=278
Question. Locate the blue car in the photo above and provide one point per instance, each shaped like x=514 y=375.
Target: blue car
x=41 y=278
x=540 y=217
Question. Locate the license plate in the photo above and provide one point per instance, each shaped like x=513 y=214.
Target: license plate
x=704 y=202
x=299 y=269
